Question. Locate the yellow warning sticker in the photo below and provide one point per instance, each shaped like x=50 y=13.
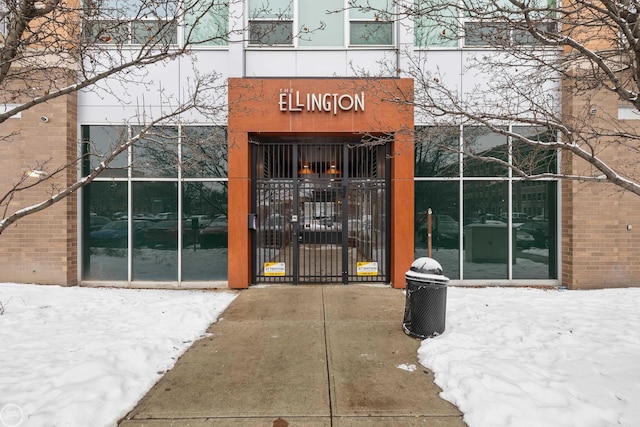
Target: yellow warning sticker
x=367 y=269
x=274 y=269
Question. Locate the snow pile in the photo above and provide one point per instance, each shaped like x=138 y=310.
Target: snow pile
x=80 y=357
x=529 y=357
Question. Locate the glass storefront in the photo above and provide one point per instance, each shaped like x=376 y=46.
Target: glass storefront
x=487 y=223
x=159 y=212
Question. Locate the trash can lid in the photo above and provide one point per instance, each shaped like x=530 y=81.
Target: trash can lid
x=426 y=265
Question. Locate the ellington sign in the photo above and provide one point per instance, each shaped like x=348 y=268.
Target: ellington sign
x=293 y=100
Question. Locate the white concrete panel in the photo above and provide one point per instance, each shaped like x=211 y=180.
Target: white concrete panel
x=437 y=75
x=502 y=84
x=372 y=62
x=156 y=90
x=270 y=63
x=327 y=63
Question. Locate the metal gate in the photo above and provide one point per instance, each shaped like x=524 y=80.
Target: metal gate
x=321 y=208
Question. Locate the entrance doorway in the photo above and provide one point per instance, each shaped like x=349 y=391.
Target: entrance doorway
x=321 y=209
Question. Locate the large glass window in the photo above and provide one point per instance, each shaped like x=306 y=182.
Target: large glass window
x=156 y=213
x=508 y=226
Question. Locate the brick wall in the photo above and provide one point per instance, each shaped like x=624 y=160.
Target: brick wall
x=598 y=248
x=40 y=248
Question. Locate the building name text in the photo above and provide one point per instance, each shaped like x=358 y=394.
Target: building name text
x=293 y=100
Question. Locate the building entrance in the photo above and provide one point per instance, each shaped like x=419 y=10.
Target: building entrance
x=321 y=210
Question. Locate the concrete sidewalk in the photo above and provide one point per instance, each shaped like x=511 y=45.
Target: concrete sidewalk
x=301 y=356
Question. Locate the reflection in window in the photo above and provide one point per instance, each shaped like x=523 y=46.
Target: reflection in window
x=149 y=231
x=534 y=219
x=533 y=159
x=158 y=259
x=271 y=23
x=437 y=151
x=370 y=22
x=442 y=198
x=131 y=22
x=205 y=208
x=207 y=23
x=156 y=154
x=486 y=34
x=371 y=33
x=105 y=231
x=486 y=250
x=98 y=143
x=436 y=25
x=480 y=141
x=204 y=152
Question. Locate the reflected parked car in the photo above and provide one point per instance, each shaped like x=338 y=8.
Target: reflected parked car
x=201 y=220
x=445 y=231
x=524 y=240
x=215 y=234
x=97 y=222
x=165 y=234
x=539 y=230
x=115 y=234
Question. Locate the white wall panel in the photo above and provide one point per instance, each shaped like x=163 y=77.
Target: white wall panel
x=382 y=63
x=152 y=91
x=270 y=63
x=312 y=63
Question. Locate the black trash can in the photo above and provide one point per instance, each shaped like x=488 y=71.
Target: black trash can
x=426 y=301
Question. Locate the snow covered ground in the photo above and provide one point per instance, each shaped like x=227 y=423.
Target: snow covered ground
x=529 y=357
x=78 y=357
x=75 y=357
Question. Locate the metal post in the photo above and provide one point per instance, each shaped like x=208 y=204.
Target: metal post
x=429 y=214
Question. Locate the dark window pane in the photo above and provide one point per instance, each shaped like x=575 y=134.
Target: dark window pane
x=157 y=258
x=156 y=154
x=535 y=221
x=154 y=32
x=371 y=33
x=205 y=207
x=106 y=31
x=204 y=152
x=486 y=34
x=530 y=158
x=523 y=37
x=486 y=251
x=443 y=199
x=98 y=143
x=105 y=231
x=437 y=151
x=481 y=145
x=271 y=33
